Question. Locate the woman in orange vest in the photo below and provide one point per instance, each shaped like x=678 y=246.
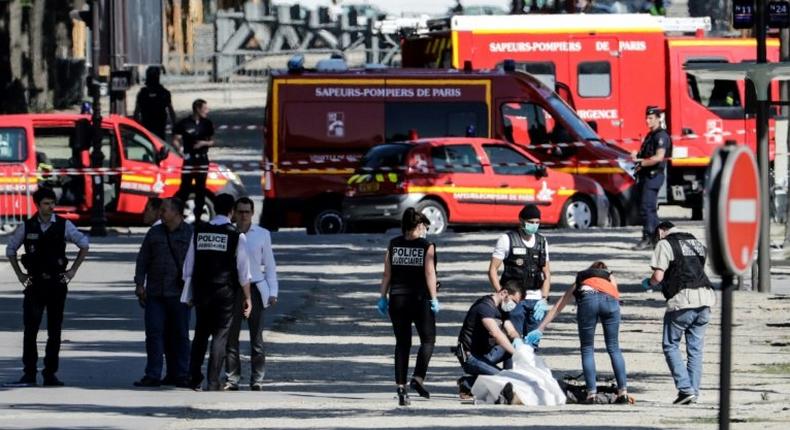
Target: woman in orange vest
x=597 y=299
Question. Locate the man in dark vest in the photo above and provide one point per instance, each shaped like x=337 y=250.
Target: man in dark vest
x=525 y=254
x=44 y=237
x=215 y=267
x=651 y=165
x=678 y=265
x=153 y=105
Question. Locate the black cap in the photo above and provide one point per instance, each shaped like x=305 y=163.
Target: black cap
x=529 y=212
x=653 y=110
x=664 y=225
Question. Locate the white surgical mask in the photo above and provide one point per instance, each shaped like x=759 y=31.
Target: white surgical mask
x=508 y=306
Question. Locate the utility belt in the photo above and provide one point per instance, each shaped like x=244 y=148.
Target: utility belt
x=192 y=158
x=650 y=174
x=43 y=270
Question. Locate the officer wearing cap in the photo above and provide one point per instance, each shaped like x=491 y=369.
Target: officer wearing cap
x=215 y=267
x=651 y=166
x=525 y=255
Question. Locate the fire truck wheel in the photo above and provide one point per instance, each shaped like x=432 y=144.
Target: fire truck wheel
x=436 y=214
x=578 y=213
x=327 y=221
x=189 y=210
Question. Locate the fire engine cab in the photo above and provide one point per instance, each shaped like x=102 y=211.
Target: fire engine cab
x=613 y=66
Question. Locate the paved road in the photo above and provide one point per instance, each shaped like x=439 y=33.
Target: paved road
x=329 y=354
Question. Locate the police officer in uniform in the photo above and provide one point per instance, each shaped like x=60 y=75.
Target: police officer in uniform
x=678 y=265
x=195 y=135
x=410 y=279
x=215 y=267
x=44 y=237
x=153 y=104
x=650 y=173
x=525 y=254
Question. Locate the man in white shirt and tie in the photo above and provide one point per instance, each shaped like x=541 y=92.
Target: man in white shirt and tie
x=264 y=294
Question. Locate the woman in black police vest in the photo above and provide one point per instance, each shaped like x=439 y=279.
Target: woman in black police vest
x=410 y=280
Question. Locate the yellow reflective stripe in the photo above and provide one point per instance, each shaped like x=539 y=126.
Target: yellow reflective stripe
x=392 y=177
x=138 y=178
x=217 y=182
x=726 y=42
x=480 y=190
x=18 y=180
x=173 y=181
x=379 y=177
x=454 y=45
x=583 y=169
x=691 y=161
x=566 y=192
x=352 y=179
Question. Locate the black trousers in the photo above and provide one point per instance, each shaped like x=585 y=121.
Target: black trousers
x=196 y=172
x=255 y=323
x=214 y=315
x=49 y=295
x=404 y=311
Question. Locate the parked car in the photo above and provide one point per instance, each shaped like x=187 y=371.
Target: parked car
x=52 y=150
x=466 y=181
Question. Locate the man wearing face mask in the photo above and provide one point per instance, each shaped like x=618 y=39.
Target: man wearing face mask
x=485 y=338
x=525 y=254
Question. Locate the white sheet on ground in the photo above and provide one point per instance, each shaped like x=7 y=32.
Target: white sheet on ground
x=532 y=382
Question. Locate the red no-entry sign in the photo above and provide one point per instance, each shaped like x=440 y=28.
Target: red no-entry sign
x=733 y=210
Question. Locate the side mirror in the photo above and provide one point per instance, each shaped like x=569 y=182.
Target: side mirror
x=593 y=125
x=162 y=154
x=540 y=171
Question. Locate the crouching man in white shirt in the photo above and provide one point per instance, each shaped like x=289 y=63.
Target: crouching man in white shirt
x=264 y=294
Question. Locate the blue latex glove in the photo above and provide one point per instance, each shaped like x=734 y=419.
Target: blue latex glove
x=382 y=306
x=539 y=310
x=435 y=307
x=533 y=337
x=517 y=342
x=646 y=284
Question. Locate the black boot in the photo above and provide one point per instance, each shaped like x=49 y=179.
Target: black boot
x=419 y=388
x=403 y=397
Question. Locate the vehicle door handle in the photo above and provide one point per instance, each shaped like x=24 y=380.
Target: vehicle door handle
x=504 y=185
x=687 y=131
x=617 y=123
x=449 y=182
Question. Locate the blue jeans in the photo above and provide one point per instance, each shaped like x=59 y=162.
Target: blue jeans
x=692 y=323
x=166 y=320
x=485 y=365
x=522 y=318
x=592 y=307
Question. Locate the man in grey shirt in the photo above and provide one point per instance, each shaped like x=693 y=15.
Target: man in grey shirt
x=159 y=287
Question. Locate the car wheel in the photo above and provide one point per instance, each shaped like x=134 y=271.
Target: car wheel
x=578 y=213
x=327 y=221
x=436 y=214
x=189 y=210
x=615 y=219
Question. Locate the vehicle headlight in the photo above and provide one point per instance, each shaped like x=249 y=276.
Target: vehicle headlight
x=627 y=166
x=229 y=174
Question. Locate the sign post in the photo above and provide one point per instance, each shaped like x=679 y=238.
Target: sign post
x=732 y=211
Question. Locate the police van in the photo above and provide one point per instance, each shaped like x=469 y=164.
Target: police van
x=320 y=122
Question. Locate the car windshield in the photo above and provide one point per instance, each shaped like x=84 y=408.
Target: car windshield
x=13 y=146
x=570 y=118
x=388 y=155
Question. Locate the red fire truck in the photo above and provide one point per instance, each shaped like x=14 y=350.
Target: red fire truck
x=613 y=67
x=319 y=124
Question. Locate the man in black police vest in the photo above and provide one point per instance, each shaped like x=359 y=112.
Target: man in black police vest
x=525 y=254
x=44 y=237
x=679 y=267
x=650 y=173
x=216 y=265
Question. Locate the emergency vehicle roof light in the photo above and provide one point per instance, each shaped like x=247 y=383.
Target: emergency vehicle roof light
x=296 y=64
x=332 y=65
x=684 y=25
x=509 y=65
